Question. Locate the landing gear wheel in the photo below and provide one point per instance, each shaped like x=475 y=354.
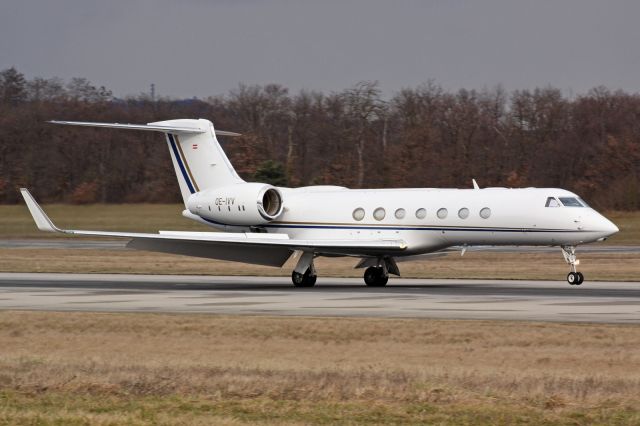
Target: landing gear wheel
x=303 y=280
x=575 y=278
x=375 y=277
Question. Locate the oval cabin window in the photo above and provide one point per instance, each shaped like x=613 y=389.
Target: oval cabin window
x=463 y=213
x=358 y=214
x=421 y=213
x=400 y=213
x=379 y=213
x=485 y=213
x=442 y=213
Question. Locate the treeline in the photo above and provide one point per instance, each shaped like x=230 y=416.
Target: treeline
x=422 y=137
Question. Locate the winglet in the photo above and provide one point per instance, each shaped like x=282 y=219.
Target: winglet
x=39 y=216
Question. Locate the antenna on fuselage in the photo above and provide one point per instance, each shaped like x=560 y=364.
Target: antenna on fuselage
x=475 y=184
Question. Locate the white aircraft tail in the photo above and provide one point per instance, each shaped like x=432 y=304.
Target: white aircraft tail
x=197 y=157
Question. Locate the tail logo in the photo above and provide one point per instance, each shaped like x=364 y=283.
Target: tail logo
x=182 y=163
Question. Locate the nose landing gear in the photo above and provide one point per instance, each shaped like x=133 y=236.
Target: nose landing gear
x=574 y=277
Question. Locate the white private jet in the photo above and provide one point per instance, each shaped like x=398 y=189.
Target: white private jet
x=266 y=225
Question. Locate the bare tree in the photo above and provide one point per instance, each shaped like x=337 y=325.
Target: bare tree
x=423 y=136
x=364 y=106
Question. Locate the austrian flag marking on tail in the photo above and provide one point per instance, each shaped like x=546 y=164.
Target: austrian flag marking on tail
x=194 y=146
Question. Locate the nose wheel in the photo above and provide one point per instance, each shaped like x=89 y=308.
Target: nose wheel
x=574 y=277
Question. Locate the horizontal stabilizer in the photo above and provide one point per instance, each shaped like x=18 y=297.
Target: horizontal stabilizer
x=148 y=127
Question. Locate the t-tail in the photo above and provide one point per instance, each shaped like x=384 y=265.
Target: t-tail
x=198 y=159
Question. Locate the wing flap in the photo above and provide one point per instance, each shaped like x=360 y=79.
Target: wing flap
x=221 y=250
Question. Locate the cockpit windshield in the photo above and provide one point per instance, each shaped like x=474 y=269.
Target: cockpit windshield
x=552 y=202
x=570 y=202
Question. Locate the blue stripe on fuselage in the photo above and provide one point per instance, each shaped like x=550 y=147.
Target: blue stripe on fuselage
x=425 y=228
x=185 y=175
x=398 y=228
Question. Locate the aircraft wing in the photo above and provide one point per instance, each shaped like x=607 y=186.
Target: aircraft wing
x=256 y=248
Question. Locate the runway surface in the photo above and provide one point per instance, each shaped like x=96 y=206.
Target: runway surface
x=616 y=302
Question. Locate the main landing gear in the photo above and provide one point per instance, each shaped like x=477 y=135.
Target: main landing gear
x=574 y=277
x=378 y=270
x=304 y=275
x=308 y=279
x=375 y=276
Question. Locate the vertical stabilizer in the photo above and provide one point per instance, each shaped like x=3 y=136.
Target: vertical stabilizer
x=198 y=158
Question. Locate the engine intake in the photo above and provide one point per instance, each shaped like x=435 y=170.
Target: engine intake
x=270 y=204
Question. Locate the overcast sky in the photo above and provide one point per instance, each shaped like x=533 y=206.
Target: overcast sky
x=205 y=47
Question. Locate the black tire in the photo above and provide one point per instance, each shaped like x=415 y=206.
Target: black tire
x=572 y=278
x=580 y=278
x=297 y=279
x=303 y=280
x=370 y=276
x=383 y=280
x=311 y=280
x=374 y=277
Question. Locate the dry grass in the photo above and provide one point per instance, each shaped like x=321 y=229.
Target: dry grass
x=63 y=368
x=549 y=266
x=16 y=222
x=629 y=224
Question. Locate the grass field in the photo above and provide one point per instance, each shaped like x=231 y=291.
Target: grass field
x=86 y=368
x=16 y=222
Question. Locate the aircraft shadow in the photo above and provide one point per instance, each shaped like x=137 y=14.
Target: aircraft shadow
x=442 y=289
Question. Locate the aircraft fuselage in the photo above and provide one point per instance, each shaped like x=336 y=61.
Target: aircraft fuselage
x=432 y=219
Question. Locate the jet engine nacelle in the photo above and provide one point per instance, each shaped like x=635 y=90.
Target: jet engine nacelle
x=242 y=204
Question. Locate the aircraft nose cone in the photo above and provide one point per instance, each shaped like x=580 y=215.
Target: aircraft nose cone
x=609 y=227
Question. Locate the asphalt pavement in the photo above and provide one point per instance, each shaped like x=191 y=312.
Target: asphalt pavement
x=614 y=302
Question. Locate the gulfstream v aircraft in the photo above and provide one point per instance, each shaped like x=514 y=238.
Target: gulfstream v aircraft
x=267 y=225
